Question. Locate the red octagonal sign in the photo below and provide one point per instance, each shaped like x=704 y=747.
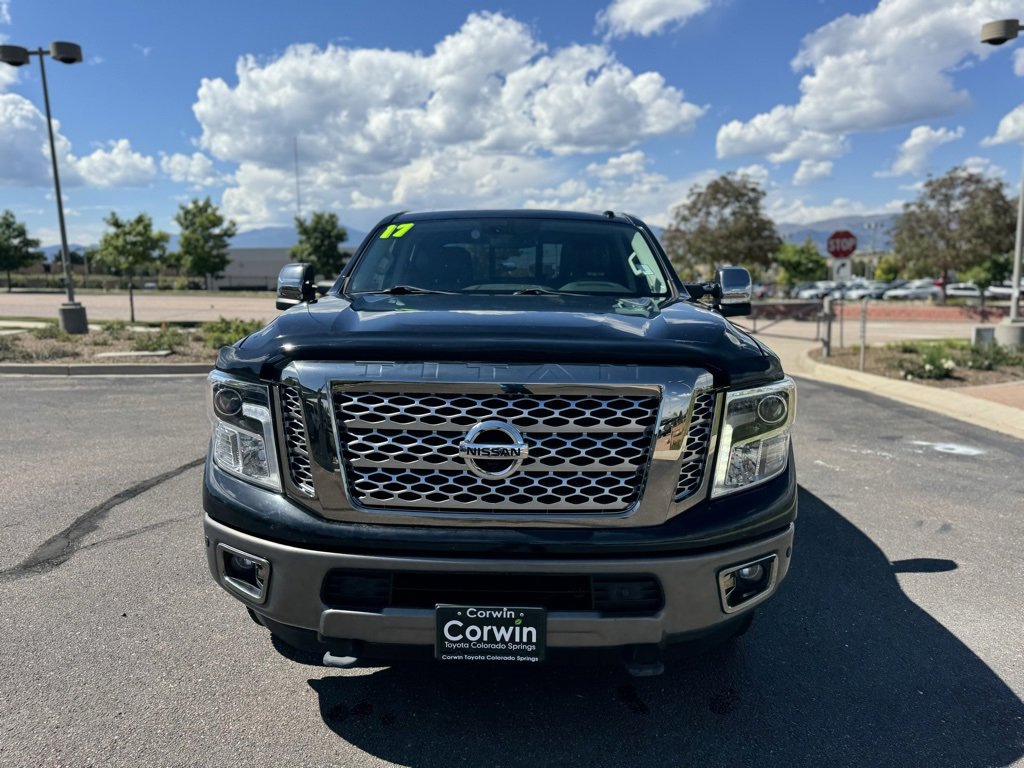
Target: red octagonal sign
x=842 y=244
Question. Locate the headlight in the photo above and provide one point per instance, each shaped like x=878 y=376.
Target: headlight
x=755 y=436
x=243 y=431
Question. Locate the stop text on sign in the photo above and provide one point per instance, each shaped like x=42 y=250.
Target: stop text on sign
x=842 y=244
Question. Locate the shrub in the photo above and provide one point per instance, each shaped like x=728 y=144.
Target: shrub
x=165 y=338
x=223 y=331
x=52 y=332
x=11 y=351
x=933 y=363
x=989 y=357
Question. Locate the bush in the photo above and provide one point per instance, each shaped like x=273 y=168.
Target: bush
x=116 y=329
x=52 y=332
x=165 y=338
x=934 y=363
x=989 y=357
x=11 y=351
x=223 y=331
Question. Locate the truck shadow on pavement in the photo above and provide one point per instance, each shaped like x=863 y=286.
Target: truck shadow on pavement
x=841 y=668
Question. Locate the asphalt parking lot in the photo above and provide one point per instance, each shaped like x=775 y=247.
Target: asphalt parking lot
x=898 y=638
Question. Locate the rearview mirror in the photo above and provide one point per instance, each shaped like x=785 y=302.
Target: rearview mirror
x=737 y=289
x=295 y=285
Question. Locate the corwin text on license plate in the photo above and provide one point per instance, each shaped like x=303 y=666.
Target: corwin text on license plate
x=489 y=633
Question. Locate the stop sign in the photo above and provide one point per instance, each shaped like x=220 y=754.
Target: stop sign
x=842 y=244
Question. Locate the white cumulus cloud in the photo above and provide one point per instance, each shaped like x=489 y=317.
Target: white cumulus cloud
x=647 y=17
x=1010 y=129
x=914 y=151
x=810 y=171
x=984 y=166
x=627 y=164
x=25 y=153
x=876 y=70
x=117 y=165
x=488 y=110
x=196 y=169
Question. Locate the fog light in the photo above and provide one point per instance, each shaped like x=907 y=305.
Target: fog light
x=245 y=574
x=751 y=572
x=242 y=564
x=747 y=584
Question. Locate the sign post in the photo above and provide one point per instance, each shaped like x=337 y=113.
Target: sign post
x=841 y=245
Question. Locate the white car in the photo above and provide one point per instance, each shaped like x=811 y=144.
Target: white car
x=865 y=290
x=819 y=290
x=964 y=291
x=925 y=288
x=1004 y=291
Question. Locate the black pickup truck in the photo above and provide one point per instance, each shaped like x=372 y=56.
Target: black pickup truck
x=501 y=436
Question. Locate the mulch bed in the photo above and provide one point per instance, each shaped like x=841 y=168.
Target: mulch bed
x=884 y=361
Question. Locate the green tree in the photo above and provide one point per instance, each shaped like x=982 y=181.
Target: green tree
x=204 y=240
x=992 y=271
x=800 y=263
x=17 y=249
x=956 y=222
x=130 y=247
x=721 y=223
x=888 y=268
x=319 y=241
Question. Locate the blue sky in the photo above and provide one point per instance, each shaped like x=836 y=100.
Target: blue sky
x=837 y=107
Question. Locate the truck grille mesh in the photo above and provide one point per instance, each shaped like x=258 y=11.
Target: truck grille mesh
x=586 y=453
x=698 y=438
x=295 y=439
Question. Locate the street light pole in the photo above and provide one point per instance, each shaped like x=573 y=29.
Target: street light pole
x=64 y=256
x=72 y=314
x=1018 y=248
x=1010 y=332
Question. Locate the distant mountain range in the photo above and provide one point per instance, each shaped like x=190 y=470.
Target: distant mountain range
x=265 y=237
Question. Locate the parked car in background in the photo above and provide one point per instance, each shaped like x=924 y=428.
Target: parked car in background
x=965 y=291
x=1004 y=291
x=924 y=288
x=818 y=290
x=871 y=289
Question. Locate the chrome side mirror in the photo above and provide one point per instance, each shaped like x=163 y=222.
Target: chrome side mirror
x=736 y=290
x=295 y=285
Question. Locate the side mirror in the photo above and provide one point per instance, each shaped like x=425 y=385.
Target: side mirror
x=295 y=285
x=736 y=288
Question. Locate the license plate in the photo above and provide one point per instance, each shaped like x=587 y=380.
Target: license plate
x=487 y=633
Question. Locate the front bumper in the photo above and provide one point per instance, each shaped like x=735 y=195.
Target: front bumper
x=692 y=603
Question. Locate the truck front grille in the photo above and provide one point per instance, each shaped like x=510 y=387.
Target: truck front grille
x=295 y=439
x=587 y=453
x=698 y=439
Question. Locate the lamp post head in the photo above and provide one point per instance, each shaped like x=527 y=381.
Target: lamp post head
x=999 y=32
x=14 y=55
x=66 y=53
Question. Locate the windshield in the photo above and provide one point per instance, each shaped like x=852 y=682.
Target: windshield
x=510 y=255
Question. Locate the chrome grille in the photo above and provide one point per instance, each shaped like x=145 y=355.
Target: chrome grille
x=587 y=453
x=698 y=437
x=295 y=441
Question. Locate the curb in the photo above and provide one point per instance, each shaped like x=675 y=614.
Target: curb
x=948 y=402
x=88 y=369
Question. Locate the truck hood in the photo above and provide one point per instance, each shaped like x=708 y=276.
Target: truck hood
x=536 y=329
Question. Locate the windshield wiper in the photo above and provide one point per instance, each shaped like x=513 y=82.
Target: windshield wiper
x=545 y=292
x=403 y=290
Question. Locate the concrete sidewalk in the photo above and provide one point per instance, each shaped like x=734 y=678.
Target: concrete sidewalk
x=999 y=407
